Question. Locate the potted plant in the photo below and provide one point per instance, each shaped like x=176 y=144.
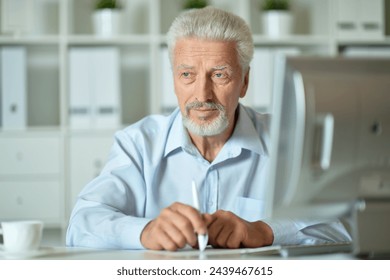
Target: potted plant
x=277 y=18
x=107 y=17
x=194 y=4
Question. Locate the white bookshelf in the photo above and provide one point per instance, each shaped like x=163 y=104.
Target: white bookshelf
x=65 y=24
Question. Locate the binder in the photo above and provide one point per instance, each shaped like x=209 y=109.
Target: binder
x=94 y=87
x=357 y=19
x=13 y=87
x=79 y=88
x=17 y=16
x=105 y=87
x=169 y=100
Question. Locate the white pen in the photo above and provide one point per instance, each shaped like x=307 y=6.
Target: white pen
x=202 y=238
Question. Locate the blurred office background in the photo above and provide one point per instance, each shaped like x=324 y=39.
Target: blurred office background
x=67 y=86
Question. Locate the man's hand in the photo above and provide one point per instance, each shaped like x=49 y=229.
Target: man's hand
x=227 y=230
x=175 y=227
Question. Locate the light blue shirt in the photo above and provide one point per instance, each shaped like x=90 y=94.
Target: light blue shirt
x=151 y=166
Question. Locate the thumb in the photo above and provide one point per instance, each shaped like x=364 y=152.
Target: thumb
x=208 y=219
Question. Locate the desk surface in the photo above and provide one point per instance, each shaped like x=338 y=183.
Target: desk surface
x=67 y=253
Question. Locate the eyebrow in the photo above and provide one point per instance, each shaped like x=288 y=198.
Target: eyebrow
x=184 y=66
x=221 y=67
x=218 y=67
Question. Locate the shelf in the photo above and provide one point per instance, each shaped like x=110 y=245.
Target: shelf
x=293 y=40
x=364 y=42
x=31 y=131
x=117 y=40
x=93 y=132
x=30 y=40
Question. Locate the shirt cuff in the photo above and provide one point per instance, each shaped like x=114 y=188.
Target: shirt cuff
x=286 y=232
x=130 y=236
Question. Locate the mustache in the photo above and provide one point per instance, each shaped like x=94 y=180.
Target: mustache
x=209 y=105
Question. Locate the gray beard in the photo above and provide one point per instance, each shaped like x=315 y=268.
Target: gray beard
x=212 y=128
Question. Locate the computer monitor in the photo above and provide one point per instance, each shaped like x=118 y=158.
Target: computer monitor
x=330 y=145
x=330 y=135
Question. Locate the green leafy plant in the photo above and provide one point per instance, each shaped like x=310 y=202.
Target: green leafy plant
x=107 y=4
x=276 y=5
x=195 y=4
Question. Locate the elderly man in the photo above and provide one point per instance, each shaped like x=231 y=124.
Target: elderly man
x=143 y=199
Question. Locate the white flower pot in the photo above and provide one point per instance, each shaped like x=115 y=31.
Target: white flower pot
x=277 y=23
x=106 y=22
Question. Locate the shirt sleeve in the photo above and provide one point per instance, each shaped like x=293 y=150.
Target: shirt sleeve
x=307 y=231
x=98 y=226
x=110 y=210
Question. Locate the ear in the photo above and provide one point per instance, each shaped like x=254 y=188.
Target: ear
x=245 y=84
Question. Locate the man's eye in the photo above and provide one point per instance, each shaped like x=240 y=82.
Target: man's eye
x=220 y=75
x=187 y=77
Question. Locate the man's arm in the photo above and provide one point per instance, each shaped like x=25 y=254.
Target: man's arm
x=227 y=230
x=110 y=210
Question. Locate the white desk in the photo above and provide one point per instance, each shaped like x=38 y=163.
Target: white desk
x=79 y=263
x=67 y=253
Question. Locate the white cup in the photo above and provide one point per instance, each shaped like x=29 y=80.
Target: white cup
x=21 y=236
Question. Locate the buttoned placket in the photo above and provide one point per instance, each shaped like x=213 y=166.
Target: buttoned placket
x=209 y=181
x=211 y=189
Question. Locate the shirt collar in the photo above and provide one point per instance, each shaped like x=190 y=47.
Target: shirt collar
x=177 y=136
x=244 y=136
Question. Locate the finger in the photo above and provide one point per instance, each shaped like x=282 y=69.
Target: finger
x=208 y=219
x=183 y=230
x=178 y=227
x=154 y=237
x=214 y=230
x=167 y=242
x=224 y=238
x=162 y=232
x=234 y=240
x=230 y=236
x=175 y=235
x=198 y=225
x=225 y=230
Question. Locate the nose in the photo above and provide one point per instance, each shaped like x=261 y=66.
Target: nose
x=203 y=89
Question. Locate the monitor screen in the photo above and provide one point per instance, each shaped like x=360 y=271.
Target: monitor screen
x=330 y=134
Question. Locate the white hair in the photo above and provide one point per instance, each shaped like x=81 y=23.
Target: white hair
x=213 y=24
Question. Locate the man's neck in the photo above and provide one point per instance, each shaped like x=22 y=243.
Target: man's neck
x=210 y=146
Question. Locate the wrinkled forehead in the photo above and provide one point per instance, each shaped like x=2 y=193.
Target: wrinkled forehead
x=194 y=48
